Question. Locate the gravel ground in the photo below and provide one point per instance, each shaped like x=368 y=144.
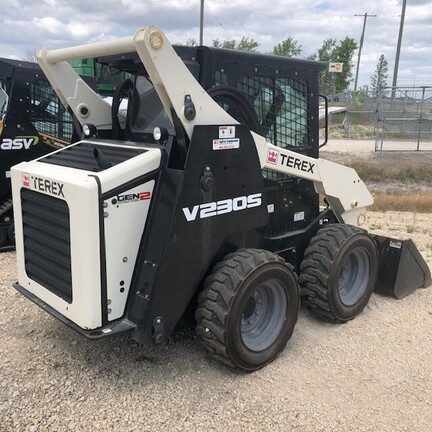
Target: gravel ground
x=371 y=374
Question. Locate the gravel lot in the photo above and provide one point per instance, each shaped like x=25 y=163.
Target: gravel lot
x=371 y=374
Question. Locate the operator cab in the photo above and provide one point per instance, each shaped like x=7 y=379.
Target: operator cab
x=276 y=97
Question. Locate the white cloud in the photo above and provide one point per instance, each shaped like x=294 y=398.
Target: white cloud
x=56 y=23
x=47 y=24
x=79 y=29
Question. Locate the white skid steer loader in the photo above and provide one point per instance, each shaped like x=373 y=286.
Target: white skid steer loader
x=200 y=206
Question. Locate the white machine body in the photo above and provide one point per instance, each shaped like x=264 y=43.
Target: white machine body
x=102 y=211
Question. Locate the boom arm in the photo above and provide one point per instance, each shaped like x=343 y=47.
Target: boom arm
x=345 y=192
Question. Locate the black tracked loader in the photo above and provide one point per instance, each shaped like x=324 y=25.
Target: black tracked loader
x=33 y=122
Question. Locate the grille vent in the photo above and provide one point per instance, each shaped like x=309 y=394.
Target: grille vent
x=46 y=227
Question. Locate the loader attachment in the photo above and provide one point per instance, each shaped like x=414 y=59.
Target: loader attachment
x=401 y=267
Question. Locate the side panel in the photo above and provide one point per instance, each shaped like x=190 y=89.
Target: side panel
x=125 y=216
x=81 y=194
x=200 y=221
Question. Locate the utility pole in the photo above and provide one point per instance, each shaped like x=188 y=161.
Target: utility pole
x=398 y=50
x=201 y=37
x=361 y=46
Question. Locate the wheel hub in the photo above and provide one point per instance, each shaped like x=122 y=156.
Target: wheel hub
x=263 y=315
x=253 y=309
x=354 y=277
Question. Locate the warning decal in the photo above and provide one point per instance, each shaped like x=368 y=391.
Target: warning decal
x=226 y=132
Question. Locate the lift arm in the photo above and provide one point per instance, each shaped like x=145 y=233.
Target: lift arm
x=178 y=90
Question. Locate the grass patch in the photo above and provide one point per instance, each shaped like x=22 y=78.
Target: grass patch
x=414 y=174
x=400 y=181
x=420 y=202
x=373 y=173
x=368 y=172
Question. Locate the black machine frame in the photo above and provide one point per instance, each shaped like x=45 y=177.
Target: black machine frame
x=165 y=286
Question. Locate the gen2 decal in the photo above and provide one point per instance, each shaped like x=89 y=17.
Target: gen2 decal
x=133 y=197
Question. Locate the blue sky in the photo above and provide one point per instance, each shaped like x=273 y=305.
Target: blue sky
x=26 y=25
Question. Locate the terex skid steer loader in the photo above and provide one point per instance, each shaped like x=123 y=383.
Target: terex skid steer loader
x=202 y=202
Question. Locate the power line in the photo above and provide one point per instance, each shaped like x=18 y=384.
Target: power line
x=232 y=12
x=202 y=3
x=216 y=18
x=282 y=17
x=220 y=2
x=361 y=46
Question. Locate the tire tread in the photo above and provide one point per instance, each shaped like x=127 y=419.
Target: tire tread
x=318 y=258
x=219 y=290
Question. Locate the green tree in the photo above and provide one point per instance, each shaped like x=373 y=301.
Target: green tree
x=30 y=55
x=340 y=52
x=229 y=44
x=245 y=44
x=379 y=78
x=288 y=48
x=190 y=42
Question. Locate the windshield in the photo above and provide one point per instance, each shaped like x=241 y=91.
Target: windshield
x=147 y=109
x=4 y=98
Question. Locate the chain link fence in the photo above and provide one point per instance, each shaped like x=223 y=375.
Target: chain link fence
x=397 y=119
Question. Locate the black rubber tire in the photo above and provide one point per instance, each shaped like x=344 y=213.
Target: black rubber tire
x=11 y=233
x=338 y=272
x=3 y=236
x=250 y=285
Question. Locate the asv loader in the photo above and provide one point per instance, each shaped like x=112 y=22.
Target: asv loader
x=201 y=204
x=33 y=122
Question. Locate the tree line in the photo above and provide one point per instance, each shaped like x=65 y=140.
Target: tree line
x=331 y=50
